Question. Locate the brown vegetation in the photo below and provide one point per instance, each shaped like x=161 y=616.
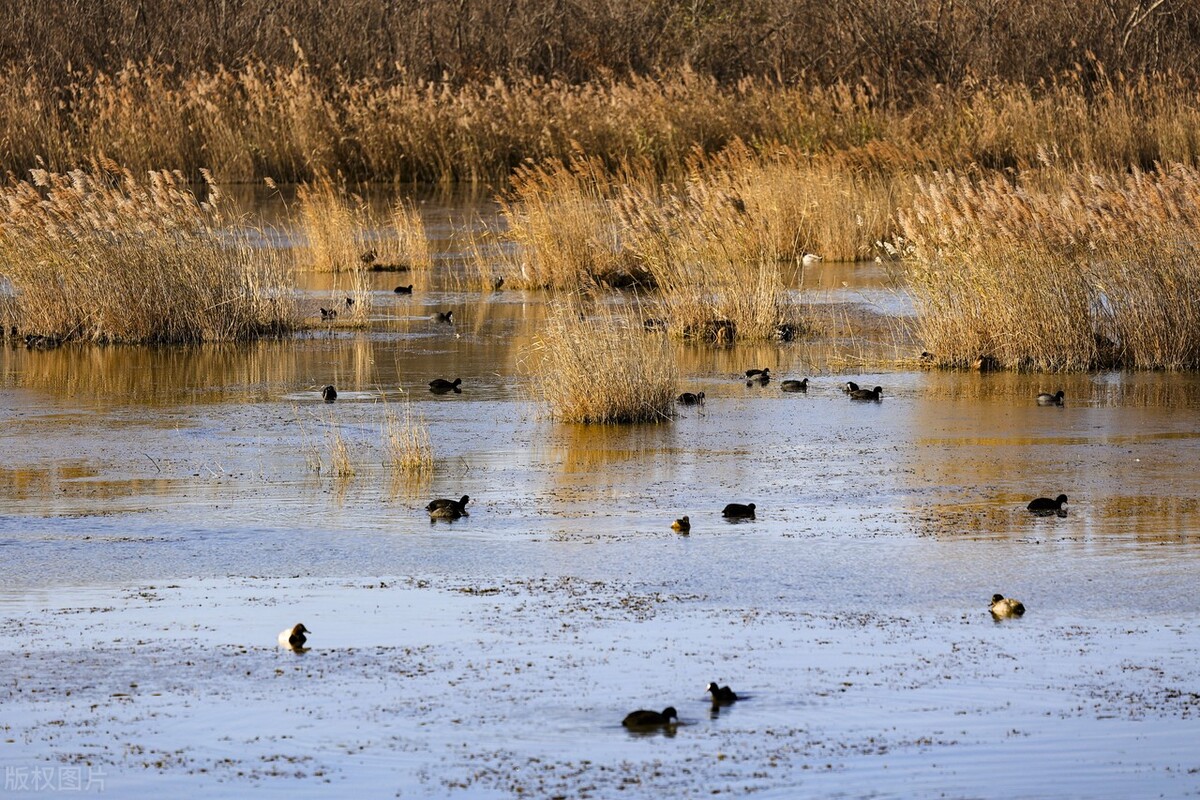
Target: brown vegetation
x=602 y=368
x=896 y=46
x=1066 y=268
x=99 y=255
x=286 y=124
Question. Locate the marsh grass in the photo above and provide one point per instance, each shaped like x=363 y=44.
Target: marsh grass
x=335 y=225
x=601 y=368
x=297 y=125
x=341 y=455
x=715 y=246
x=407 y=444
x=562 y=229
x=411 y=243
x=100 y=255
x=1064 y=269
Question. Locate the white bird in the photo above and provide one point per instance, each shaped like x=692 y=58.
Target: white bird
x=808 y=259
x=293 y=638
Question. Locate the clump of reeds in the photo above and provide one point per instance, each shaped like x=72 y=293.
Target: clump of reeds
x=563 y=229
x=603 y=368
x=406 y=440
x=1062 y=269
x=411 y=240
x=341 y=459
x=100 y=255
x=716 y=247
x=334 y=224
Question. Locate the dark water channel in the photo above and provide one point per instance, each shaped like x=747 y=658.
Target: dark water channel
x=160 y=522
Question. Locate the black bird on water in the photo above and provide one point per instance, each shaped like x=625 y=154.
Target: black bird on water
x=643 y=718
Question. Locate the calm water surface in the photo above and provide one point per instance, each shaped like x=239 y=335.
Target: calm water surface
x=160 y=522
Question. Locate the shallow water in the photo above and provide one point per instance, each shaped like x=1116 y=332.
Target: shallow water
x=160 y=523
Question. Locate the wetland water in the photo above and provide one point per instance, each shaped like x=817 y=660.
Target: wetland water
x=160 y=524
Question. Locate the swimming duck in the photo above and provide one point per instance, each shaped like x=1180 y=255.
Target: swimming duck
x=1047 y=399
x=867 y=394
x=1006 y=606
x=329 y=394
x=293 y=638
x=689 y=399
x=328 y=314
x=795 y=386
x=850 y=386
x=650 y=719
x=721 y=695
x=1046 y=504
x=403 y=289
x=448 y=513
x=739 y=511
x=441 y=386
x=765 y=372
x=444 y=316
x=808 y=259
x=683 y=525
x=443 y=502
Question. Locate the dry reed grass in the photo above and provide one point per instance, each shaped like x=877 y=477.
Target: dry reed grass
x=100 y=255
x=294 y=125
x=562 y=229
x=408 y=445
x=1066 y=268
x=715 y=247
x=411 y=244
x=335 y=225
x=603 y=368
x=341 y=456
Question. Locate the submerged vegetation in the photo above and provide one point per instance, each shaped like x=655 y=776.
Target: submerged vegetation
x=99 y=255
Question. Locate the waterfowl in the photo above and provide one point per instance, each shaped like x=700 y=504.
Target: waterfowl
x=867 y=394
x=328 y=313
x=1047 y=399
x=349 y=302
x=739 y=511
x=329 y=394
x=758 y=373
x=444 y=316
x=986 y=364
x=403 y=289
x=683 y=525
x=808 y=259
x=654 y=324
x=293 y=638
x=443 y=502
x=368 y=257
x=850 y=386
x=1006 y=606
x=441 y=386
x=446 y=512
x=795 y=386
x=1046 y=504
x=689 y=399
x=650 y=719
x=721 y=695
